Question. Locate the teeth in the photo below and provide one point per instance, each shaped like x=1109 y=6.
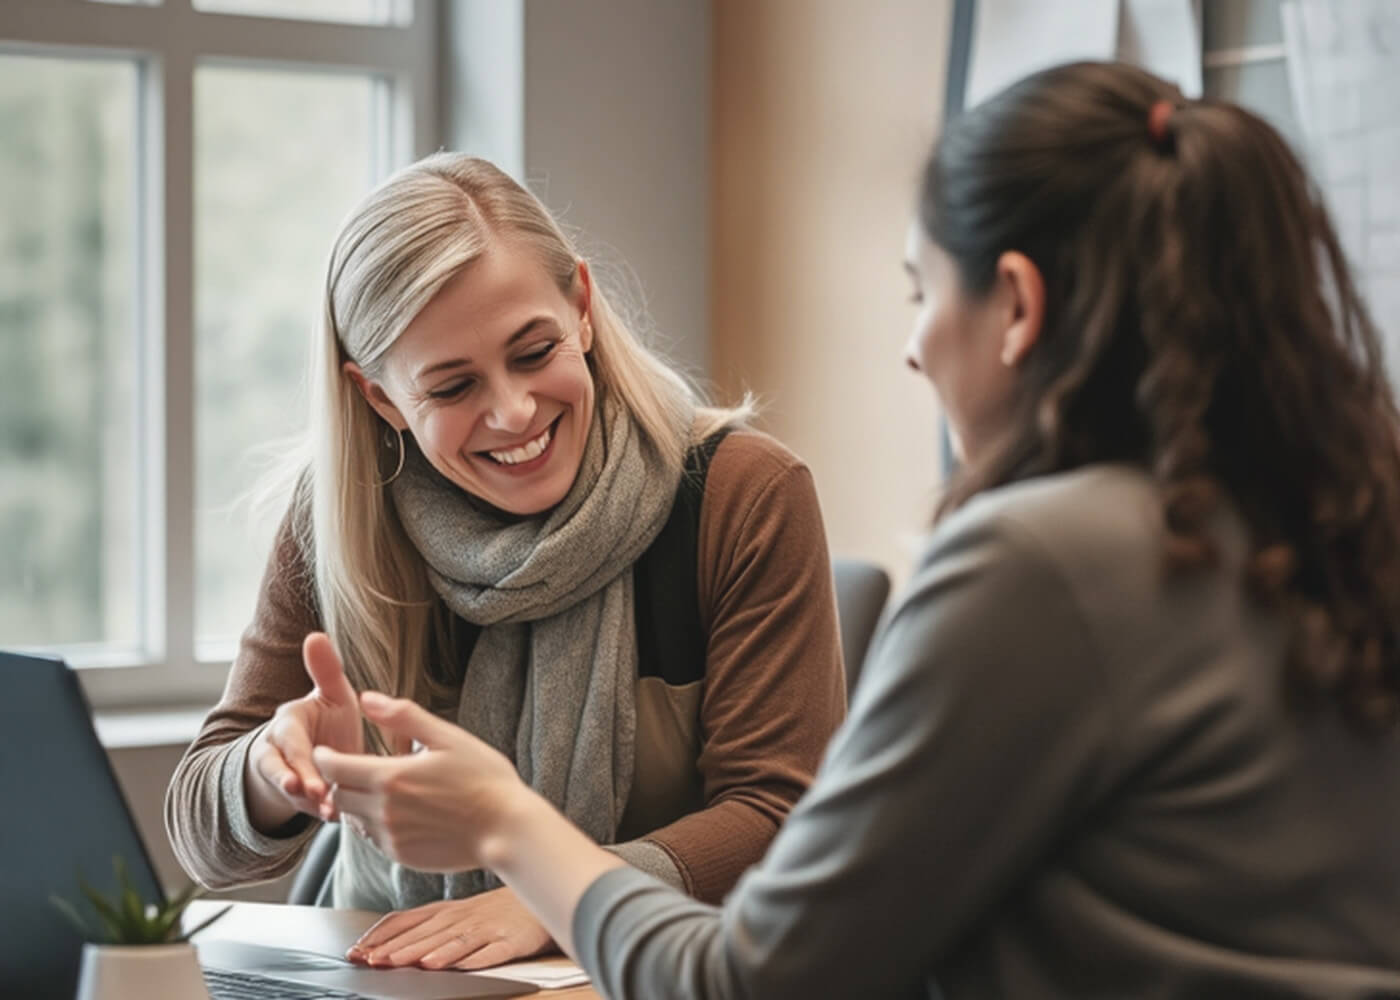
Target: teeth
x=527 y=451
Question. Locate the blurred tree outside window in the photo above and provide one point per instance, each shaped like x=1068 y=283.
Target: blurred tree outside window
x=67 y=352
x=268 y=201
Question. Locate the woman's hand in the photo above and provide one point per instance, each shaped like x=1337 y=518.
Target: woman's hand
x=474 y=933
x=280 y=777
x=432 y=810
x=459 y=804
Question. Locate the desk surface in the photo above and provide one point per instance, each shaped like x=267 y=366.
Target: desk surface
x=312 y=928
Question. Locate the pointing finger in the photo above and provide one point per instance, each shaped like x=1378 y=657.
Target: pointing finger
x=326 y=670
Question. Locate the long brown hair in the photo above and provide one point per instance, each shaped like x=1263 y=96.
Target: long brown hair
x=1201 y=321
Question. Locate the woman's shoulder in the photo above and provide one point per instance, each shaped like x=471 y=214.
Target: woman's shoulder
x=1093 y=527
x=756 y=488
x=1090 y=500
x=292 y=560
x=748 y=460
x=1097 y=533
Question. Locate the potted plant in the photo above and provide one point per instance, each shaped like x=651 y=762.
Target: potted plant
x=136 y=948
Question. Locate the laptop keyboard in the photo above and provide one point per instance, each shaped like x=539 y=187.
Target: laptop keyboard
x=224 y=984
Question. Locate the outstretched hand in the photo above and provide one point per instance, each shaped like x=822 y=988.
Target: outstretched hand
x=281 y=777
x=431 y=810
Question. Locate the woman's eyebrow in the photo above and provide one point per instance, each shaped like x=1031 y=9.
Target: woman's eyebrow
x=444 y=365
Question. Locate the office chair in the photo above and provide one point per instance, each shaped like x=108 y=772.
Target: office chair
x=861 y=590
x=312 y=885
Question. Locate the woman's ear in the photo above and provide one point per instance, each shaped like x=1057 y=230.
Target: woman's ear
x=375 y=396
x=585 y=306
x=1024 y=287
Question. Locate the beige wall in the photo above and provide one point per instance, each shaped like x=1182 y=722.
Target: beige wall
x=822 y=112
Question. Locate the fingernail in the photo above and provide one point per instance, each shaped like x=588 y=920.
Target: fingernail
x=374 y=699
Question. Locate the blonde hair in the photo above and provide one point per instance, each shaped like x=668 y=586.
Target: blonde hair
x=395 y=252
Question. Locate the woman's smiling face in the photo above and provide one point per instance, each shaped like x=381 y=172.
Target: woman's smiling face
x=491 y=379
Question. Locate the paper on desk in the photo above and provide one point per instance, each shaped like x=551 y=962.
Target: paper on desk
x=545 y=975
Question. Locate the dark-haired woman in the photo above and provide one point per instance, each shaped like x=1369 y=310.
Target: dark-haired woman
x=1130 y=731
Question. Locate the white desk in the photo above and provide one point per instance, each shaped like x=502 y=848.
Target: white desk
x=312 y=928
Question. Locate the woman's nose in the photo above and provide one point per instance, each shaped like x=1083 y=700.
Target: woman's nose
x=512 y=409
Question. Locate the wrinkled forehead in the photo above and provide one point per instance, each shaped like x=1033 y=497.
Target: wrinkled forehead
x=485 y=305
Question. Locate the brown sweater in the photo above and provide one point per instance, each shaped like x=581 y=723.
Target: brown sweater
x=756 y=726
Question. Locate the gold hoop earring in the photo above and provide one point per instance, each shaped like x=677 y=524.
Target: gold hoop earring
x=393 y=437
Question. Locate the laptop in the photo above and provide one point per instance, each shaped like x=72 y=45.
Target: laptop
x=64 y=813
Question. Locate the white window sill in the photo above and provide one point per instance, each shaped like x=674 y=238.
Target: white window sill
x=157 y=727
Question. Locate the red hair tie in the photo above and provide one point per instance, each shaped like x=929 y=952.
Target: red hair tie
x=1157 y=120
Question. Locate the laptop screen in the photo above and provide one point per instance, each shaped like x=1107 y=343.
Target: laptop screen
x=63 y=814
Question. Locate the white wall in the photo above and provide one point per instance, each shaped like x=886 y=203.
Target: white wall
x=614 y=96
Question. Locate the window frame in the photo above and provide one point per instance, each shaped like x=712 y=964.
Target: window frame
x=168 y=42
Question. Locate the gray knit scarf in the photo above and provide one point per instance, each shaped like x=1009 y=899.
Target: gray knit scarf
x=551 y=680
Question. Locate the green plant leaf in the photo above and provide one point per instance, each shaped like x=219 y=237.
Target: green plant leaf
x=107 y=914
x=169 y=915
x=71 y=914
x=203 y=924
x=125 y=918
x=133 y=910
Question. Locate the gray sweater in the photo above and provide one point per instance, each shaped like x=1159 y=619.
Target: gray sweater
x=1066 y=773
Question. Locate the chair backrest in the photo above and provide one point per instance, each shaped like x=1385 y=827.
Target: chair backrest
x=861 y=590
x=312 y=885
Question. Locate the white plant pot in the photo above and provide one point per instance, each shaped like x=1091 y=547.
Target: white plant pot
x=141 y=972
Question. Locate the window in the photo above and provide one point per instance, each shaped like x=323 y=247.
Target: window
x=1323 y=71
x=1245 y=61
x=267 y=200
x=67 y=352
x=171 y=174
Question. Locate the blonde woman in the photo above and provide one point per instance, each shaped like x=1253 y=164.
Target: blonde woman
x=515 y=515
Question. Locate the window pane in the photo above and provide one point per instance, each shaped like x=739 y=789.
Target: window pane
x=345 y=11
x=280 y=157
x=67 y=355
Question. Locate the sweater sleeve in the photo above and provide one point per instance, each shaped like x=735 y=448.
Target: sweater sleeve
x=973 y=745
x=774 y=684
x=206 y=813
